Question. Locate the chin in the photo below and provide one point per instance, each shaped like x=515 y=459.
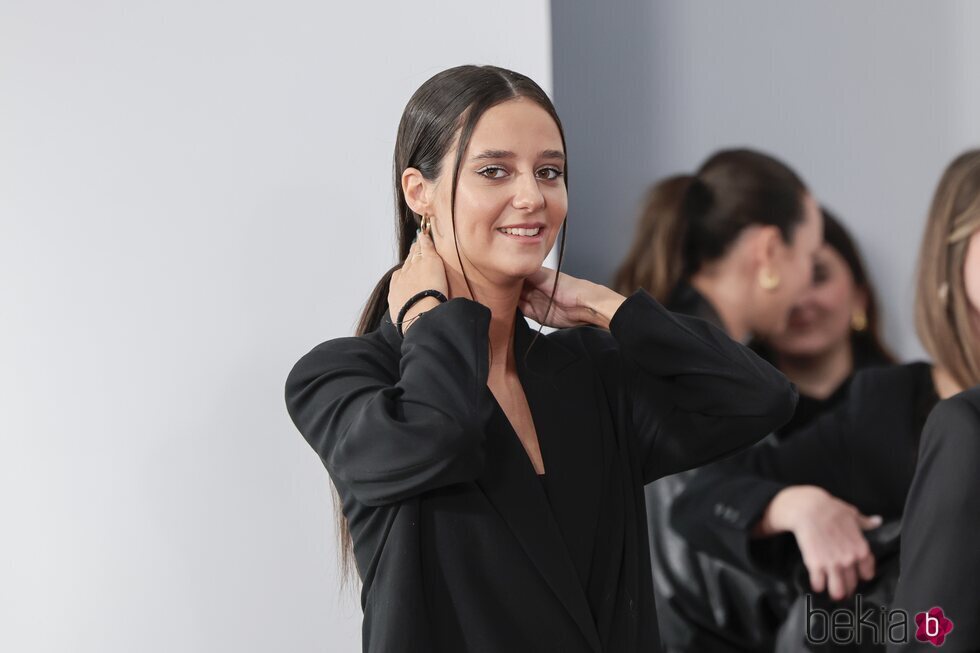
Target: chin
x=801 y=346
x=522 y=270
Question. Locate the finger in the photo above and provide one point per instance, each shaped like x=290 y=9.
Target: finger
x=866 y=567
x=850 y=575
x=836 y=584
x=413 y=252
x=426 y=245
x=818 y=579
x=869 y=523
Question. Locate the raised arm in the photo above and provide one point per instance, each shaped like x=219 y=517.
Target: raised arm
x=696 y=394
x=388 y=428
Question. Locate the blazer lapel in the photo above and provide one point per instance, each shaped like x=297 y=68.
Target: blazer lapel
x=510 y=482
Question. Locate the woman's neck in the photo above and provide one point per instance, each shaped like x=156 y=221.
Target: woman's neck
x=502 y=302
x=726 y=294
x=819 y=375
x=945 y=385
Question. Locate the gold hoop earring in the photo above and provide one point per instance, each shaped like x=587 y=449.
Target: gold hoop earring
x=859 y=320
x=425 y=224
x=768 y=279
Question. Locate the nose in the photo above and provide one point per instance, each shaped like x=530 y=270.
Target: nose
x=527 y=194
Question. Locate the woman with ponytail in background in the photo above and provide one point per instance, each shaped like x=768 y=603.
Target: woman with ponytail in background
x=733 y=244
x=892 y=450
x=491 y=478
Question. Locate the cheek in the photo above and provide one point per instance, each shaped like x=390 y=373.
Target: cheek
x=557 y=199
x=836 y=303
x=477 y=208
x=971 y=272
x=804 y=273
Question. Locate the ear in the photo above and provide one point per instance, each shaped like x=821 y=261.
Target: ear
x=768 y=246
x=417 y=191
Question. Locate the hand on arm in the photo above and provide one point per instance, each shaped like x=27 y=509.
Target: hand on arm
x=576 y=301
x=829 y=533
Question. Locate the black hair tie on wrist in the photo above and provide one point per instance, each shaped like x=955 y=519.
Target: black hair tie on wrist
x=414 y=299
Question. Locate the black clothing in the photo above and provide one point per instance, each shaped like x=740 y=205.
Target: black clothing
x=940 y=559
x=703 y=603
x=458 y=547
x=864 y=453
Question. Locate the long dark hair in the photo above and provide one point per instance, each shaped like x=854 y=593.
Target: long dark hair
x=442 y=112
x=867 y=345
x=690 y=220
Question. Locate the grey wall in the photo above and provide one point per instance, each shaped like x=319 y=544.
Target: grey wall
x=192 y=195
x=868 y=101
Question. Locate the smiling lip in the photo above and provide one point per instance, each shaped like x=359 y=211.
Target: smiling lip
x=524 y=239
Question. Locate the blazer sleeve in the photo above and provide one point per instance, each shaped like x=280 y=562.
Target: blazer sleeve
x=388 y=429
x=695 y=394
x=721 y=505
x=940 y=553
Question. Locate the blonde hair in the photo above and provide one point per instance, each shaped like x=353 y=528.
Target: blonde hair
x=943 y=313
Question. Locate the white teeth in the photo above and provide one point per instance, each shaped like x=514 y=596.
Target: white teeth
x=521 y=232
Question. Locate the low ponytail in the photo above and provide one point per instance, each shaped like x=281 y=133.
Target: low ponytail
x=659 y=258
x=690 y=220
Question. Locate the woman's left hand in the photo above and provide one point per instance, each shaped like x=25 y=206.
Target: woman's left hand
x=576 y=301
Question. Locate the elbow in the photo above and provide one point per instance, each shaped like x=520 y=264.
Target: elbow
x=458 y=458
x=784 y=402
x=778 y=402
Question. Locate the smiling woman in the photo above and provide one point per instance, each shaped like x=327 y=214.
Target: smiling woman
x=491 y=479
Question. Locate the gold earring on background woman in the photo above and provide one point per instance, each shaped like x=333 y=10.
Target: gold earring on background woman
x=425 y=224
x=859 y=320
x=768 y=279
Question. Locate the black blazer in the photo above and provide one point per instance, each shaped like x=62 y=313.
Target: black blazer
x=703 y=603
x=940 y=559
x=459 y=546
x=863 y=452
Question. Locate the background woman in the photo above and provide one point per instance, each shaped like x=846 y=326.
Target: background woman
x=940 y=559
x=732 y=244
x=833 y=329
x=860 y=459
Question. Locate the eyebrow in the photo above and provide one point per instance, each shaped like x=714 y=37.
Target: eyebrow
x=506 y=154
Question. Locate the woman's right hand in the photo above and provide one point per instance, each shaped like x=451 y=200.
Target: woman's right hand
x=829 y=533
x=423 y=269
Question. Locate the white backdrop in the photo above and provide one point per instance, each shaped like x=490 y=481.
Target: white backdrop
x=192 y=195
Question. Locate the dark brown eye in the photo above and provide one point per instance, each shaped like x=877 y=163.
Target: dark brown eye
x=492 y=172
x=549 y=173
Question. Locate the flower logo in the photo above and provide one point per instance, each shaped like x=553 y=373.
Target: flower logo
x=932 y=626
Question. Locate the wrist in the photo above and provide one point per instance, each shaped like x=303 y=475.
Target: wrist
x=598 y=304
x=419 y=307
x=788 y=509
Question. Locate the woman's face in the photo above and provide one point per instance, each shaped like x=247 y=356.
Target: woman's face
x=821 y=319
x=793 y=263
x=510 y=199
